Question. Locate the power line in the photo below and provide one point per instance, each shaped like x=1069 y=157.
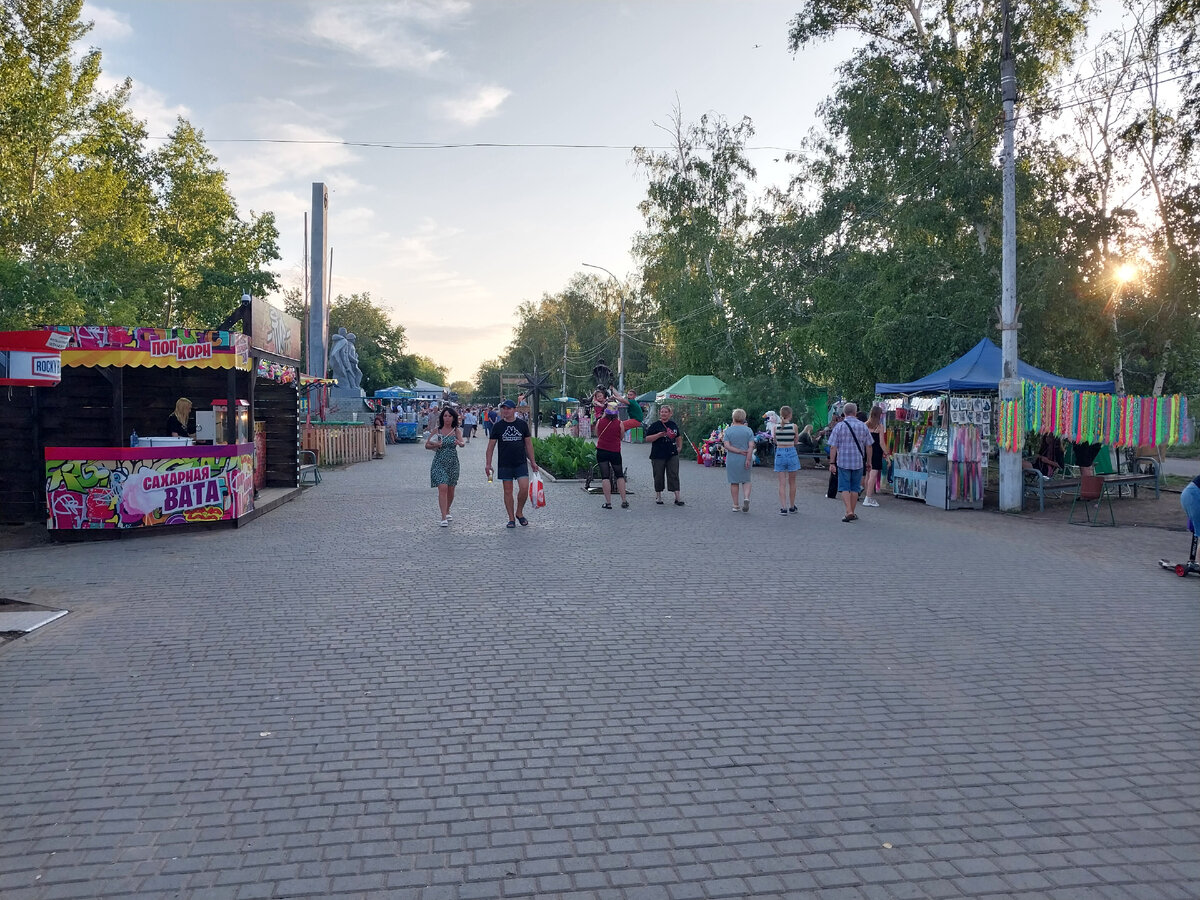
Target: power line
x=474 y=145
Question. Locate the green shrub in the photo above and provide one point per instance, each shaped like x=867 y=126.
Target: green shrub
x=564 y=456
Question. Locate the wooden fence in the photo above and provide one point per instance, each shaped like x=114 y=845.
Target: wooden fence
x=339 y=445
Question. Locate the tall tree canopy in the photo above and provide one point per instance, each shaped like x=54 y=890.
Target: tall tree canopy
x=93 y=226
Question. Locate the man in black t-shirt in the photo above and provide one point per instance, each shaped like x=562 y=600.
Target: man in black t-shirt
x=666 y=440
x=516 y=459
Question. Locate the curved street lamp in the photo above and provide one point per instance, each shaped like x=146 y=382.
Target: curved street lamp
x=620 y=330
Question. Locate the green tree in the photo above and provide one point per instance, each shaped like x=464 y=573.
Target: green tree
x=427 y=370
x=379 y=343
x=75 y=191
x=891 y=229
x=487 y=382
x=692 y=250
x=210 y=255
x=464 y=389
x=92 y=227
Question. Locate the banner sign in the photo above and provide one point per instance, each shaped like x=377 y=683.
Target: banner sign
x=97 y=345
x=274 y=331
x=30 y=358
x=144 y=487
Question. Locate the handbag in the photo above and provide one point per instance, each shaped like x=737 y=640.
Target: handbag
x=831 y=492
x=537 y=488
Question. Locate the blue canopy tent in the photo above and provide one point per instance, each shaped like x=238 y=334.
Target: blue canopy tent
x=394 y=393
x=979 y=369
x=406 y=428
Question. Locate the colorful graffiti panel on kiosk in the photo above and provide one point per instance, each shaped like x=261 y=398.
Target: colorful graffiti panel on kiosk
x=147 y=487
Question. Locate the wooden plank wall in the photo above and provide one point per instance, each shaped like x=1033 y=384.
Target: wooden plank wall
x=79 y=412
x=277 y=406
x=22 y=479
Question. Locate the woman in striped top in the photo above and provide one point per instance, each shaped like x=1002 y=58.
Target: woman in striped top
x=787 y=463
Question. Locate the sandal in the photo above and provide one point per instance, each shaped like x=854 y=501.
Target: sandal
x=624 y=504
x=659 y=502
x=679 y=503
x=524 y=521
x=511 y=524
x=847 y=519
x=606 y=506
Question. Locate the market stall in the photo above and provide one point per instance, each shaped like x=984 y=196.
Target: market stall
x=92 y=452
x=406 y=425
x=941 y=428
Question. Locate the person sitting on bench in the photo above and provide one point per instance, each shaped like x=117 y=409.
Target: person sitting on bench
x=1049 y=458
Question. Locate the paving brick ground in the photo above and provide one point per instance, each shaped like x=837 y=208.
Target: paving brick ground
x=343 y=700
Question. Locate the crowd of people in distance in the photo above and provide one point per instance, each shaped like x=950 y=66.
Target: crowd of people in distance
x=856 y=442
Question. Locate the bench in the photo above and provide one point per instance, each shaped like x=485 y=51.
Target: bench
x=309 y=467
x=819 y=458
x=1036 y=485
x=1133 y=479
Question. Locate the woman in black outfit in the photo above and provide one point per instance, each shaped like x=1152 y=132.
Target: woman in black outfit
x=177 y=422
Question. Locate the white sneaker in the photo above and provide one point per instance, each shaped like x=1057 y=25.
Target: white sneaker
x=870 y=501
x=445 y=523
x=449 y=518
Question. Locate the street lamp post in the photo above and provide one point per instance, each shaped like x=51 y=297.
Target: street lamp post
x=620 y=330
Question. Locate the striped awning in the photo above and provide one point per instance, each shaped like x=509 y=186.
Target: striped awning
x=159 y=348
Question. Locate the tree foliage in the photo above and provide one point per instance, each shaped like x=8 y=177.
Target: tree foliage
x=94 y=227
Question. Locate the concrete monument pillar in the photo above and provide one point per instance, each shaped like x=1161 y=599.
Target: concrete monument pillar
x=318 y=309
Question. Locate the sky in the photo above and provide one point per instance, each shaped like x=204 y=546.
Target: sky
x=451 y=240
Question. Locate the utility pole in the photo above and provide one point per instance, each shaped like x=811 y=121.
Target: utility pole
x=1010 y=460
x=620 y=329
x=564 y=387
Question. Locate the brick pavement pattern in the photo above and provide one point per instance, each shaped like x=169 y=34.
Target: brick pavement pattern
x=344 y=700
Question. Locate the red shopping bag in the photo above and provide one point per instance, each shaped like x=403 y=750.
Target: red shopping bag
x=538 y=489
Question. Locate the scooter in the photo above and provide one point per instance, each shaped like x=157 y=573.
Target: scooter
x=1184 y=569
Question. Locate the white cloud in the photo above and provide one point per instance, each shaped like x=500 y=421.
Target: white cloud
x=387 y=35
x=475 y=107
x=107 y=24
x=149 y=105
x=307 y=153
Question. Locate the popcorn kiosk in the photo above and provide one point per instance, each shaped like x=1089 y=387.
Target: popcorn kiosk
x=87 y=414
x=92 y=484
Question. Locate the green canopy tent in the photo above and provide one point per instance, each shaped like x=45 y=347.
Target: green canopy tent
x=694 y=389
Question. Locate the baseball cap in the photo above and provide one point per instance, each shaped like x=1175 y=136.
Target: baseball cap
x=508 y=404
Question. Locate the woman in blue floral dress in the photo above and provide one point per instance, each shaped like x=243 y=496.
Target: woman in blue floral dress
x=443 y=474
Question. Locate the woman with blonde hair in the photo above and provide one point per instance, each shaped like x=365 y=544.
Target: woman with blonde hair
x=177 y=422
x=878 y=453
x=739 y=458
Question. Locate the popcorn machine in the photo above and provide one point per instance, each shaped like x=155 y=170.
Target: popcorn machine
x=221 y=410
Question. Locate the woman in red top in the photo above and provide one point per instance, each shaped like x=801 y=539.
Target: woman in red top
x=609 y=430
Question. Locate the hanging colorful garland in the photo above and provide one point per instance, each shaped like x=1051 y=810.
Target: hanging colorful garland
x=1086 y=417
x=1012 y=426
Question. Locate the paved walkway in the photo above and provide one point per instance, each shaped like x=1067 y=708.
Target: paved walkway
x=343 y=700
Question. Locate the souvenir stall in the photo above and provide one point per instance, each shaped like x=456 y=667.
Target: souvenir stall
x=941 y=429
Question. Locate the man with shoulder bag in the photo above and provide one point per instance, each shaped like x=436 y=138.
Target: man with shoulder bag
x=847 y=458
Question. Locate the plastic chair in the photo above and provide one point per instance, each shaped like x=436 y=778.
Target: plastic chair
x=1091 y=490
